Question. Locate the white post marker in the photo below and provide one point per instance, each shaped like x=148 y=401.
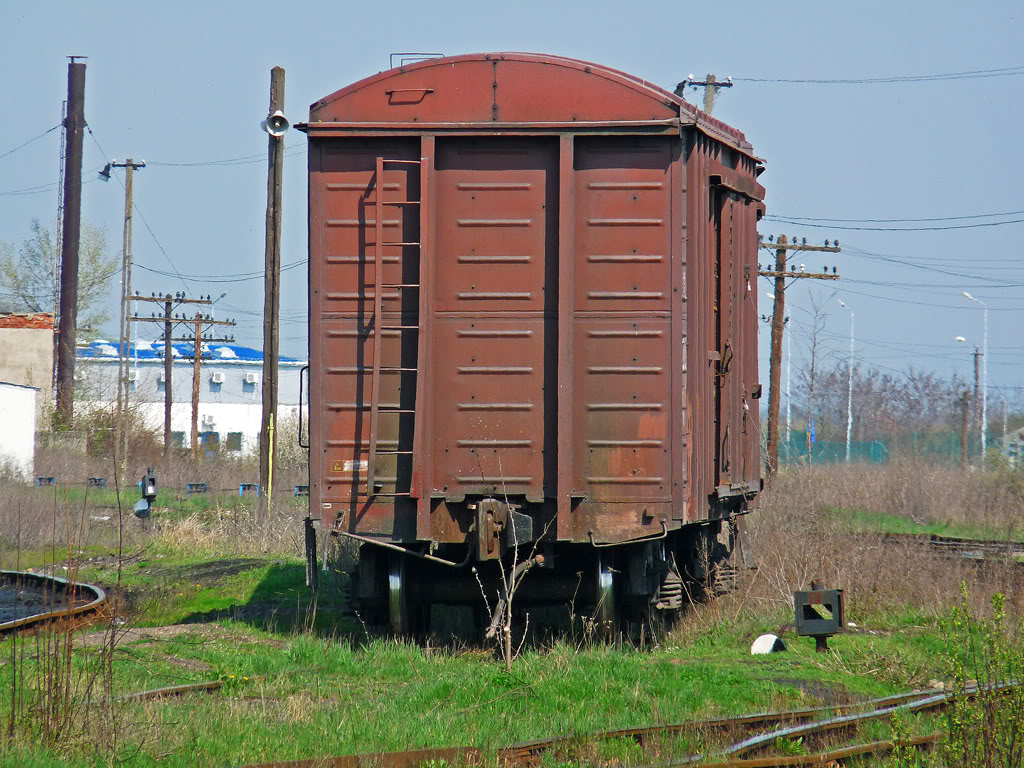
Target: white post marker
x=849 y=395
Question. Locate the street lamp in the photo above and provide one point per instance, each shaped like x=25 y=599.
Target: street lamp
x=984 y=378
x=849 y=394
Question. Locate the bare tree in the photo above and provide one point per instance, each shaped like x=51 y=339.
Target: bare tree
x=818 y=319
x=27 y=279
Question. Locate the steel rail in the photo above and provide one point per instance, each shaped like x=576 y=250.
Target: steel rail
x=529 y=749
x=838 y=723
x=829 y=758
x=972 y=549
x=57 y=584
x=527 y=752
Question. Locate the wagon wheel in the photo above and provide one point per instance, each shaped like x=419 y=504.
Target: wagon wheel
x=398 y=596
x=606 y=607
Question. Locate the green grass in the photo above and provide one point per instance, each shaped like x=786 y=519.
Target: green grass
x=294 y=697
x=863 y=521
x=304 y=683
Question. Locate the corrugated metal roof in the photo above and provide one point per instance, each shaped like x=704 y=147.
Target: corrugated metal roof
x=101 y=349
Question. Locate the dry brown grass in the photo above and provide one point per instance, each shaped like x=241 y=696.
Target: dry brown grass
x=224 y=472
x=795 y=538
x=248 y=532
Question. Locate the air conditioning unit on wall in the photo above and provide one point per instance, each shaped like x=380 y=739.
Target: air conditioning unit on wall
x=252 y=378
x=217 y=377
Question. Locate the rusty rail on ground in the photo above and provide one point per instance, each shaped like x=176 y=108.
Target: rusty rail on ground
x=529 y=752
x=60 y=589
x=830 y=758
x=957 y=547
x=172 y=690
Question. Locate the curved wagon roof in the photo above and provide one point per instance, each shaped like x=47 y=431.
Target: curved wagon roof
x=483 y=90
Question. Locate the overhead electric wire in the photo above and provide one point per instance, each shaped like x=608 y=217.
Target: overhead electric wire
x=862 y=253
x=218 y=279
x=926 y=303
x=875 y=221
x=847 y=227
x=142 y=216
x=240 y=160
x=941 y=76
x=36 y=138
x=39 y=189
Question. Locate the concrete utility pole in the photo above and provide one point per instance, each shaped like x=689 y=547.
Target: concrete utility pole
x=782 y=247
x=74 y=126
x=977 y=384
x=984 y=378
x=130 y=167
x=199 y=322
x=170 y=304
x=272 y=275
x=965 y=405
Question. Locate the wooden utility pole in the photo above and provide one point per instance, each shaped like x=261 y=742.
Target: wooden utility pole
x=74 y=126
x=272 y=277
x=711 y=85
x=168 y=376
x=199 y=322
x=170 y=304
x=781 y=248
x=130 y=167
x=965 y=400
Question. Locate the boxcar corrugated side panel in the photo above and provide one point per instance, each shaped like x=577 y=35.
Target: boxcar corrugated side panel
x=342 y=274
x=622 y=308
x=494 y=293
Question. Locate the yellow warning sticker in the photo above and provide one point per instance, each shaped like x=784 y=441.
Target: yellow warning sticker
x=336 y=467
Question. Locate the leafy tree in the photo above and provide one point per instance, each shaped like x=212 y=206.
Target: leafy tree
x=27 y=278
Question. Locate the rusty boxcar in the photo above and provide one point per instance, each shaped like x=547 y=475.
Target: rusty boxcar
x=532 y=335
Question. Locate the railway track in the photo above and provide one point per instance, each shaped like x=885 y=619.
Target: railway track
x=28 y=600
x=955 y=547
x=762 y=730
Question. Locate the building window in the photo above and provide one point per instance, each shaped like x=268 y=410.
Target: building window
x=234 y=441
x=210 y=442
x=178 y=439
x=160 y=386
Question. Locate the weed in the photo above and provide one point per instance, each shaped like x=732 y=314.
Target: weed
x=986 y=729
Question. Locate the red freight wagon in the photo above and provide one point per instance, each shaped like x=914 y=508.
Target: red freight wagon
x=533 y=335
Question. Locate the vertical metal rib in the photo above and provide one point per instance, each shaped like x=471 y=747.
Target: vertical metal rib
x=378 y=267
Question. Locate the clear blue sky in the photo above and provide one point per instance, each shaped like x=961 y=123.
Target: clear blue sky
x=188 y=82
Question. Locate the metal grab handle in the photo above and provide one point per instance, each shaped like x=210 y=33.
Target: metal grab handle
x=302 y=371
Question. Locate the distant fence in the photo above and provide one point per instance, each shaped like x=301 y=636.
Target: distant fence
x=943 y=447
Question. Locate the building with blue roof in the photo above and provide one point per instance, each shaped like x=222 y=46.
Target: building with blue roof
x=230 y=388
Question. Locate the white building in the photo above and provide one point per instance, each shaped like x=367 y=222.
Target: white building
x=18 y=435
x=230 y=389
